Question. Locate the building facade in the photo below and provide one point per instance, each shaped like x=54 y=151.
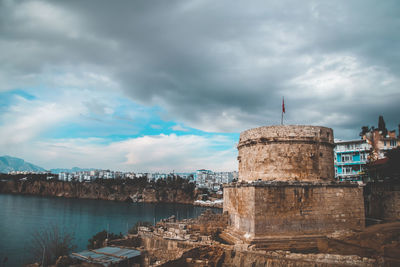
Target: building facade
x=213 y=180
x=381 y=143
x=351 y=157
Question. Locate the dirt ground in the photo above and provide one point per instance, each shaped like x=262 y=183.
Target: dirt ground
x=380 y=240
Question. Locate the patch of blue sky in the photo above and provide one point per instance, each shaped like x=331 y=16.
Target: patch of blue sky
x=228 y=141
x=121 y=124
x=127 y=119
x=112 y=129
x=8 y=98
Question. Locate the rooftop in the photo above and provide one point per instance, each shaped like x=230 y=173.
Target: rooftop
x=106 y=256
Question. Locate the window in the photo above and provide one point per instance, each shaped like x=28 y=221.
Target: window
x=350 y=146
x=346 y=158
x=393 y=142
x=347 y=170
x=384 y=143
x=363 y=157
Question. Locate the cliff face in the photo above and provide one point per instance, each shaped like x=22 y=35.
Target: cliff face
x=97 y=191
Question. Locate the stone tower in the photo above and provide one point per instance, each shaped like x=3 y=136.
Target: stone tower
x=286 y=189
x=286 y=153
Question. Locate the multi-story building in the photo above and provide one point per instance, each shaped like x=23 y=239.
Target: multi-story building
x=62 y=176
x=202 y=177
x=351 y=156
x=213 y=180
x=381 y=143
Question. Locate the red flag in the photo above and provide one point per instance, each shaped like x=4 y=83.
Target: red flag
x=283 y=105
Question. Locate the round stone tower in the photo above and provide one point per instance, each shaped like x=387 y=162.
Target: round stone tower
x=286 y=153
x=286 y=196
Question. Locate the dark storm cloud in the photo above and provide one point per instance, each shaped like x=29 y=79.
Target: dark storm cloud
x=222 y=65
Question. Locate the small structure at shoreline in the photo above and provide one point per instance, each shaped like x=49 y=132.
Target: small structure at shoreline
x=109 y=256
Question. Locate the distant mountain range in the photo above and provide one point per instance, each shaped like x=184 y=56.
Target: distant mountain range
x=74 y=169
x=9 y=164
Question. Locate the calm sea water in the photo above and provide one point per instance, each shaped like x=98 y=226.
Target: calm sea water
x=20 y=216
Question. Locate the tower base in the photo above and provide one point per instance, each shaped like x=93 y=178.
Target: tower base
x=279 y=215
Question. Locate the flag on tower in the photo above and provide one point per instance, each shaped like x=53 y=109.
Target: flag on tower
x=283 y=109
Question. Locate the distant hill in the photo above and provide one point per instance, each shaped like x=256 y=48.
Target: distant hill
x=9 y=164
x=74 y=169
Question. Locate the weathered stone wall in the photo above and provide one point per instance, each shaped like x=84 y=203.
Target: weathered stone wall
x=286 y=153
x=279 y=209
x=239 y=202
x=286 y=194
x=286 y=259
x=164 y=249
x=229 y=257
x=382 y=200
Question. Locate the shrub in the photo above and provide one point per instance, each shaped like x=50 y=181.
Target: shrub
x=97 y=240
x=51 y=243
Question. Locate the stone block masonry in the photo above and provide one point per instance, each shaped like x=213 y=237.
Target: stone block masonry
x=382 y=200
x=286 y=153
x=286 y=196
x=267 y=209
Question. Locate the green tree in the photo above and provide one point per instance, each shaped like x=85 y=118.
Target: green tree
x=98 y=239
x=364 y=130
x=382 y=126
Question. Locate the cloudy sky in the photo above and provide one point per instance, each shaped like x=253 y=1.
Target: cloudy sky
x=169 y=85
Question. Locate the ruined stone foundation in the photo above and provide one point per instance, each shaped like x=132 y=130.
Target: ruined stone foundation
x=286 y=196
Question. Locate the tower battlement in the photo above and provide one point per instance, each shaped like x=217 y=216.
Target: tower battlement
x=284 y=153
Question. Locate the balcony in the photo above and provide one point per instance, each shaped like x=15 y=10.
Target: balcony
x=348 y=163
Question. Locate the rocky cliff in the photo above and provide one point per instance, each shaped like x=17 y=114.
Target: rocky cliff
x=121 y=192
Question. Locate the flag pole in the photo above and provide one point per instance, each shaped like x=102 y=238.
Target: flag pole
x=283 y=109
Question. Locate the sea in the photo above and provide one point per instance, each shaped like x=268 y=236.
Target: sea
x=22 y=215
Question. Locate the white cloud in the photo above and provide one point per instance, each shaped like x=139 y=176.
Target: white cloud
x=149 y=153
x=218 y=66
x=27 y=119
x=43 y=16
x=189 y=152
x=179 y=128
x=25 y=126
x=342 y=77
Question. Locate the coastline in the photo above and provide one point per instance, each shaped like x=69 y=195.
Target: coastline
x=119 y=193
x=212 y=204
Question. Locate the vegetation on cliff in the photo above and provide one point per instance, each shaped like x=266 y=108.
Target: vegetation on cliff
x=170 y=190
